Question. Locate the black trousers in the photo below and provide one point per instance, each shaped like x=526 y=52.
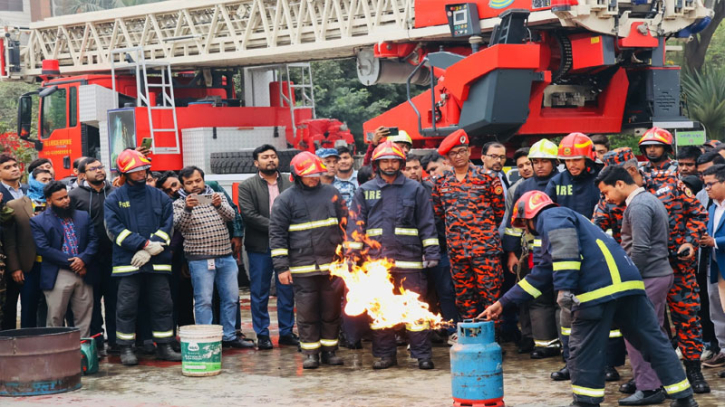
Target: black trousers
x=10 y=306
x=158 y=297
x=636 y=319
x=418 y=337
x=318 y=300
x=105 y=288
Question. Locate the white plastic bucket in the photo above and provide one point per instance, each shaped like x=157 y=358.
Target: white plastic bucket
x=201 y=350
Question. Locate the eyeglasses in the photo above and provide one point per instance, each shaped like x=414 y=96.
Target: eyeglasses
x=710 y=184
x=496 y=157
x=458 y=153
x=96 y=168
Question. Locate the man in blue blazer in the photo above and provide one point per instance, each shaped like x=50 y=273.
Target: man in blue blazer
x=67 y=242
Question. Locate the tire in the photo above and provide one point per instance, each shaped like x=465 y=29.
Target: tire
x=242 y=162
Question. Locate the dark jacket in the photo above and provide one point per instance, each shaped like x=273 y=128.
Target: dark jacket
x=135 y=215
x=399 y=216
x=512 y=236
x=7 y=196
x=305 y=229
x=87 y=199
x=236 y=227
x=577 y=256
x=49 y=238
x=578 y=193
x=254 y=204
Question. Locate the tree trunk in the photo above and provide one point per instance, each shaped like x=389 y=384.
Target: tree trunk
x=696 y=49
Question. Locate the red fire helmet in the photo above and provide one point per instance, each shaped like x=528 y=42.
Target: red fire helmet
x=656 y=136
x=528 y=206
x=306 y=164
x=576 y=145
x=131 y=161
x=388 y=150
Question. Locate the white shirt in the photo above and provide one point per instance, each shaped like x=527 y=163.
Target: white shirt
x=633 y=194
x=719 y=210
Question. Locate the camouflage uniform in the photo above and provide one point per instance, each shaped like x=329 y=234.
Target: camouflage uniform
x=472 y=209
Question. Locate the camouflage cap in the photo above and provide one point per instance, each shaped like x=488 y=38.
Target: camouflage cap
x=618 y=156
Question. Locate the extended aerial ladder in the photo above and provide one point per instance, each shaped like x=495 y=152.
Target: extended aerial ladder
x=596 y=65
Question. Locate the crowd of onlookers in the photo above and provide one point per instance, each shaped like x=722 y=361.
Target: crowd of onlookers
x=125 y=264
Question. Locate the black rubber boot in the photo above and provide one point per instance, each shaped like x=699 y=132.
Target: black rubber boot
x=128 y=357
x=688 y=401
x=164 y=351
x=330 y=358
x=695 y=377
x=385 y=362
x=311 y=362
x=561 y=375
x=425 y=364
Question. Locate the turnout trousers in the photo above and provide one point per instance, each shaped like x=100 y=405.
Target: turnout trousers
x=477 y=281
x=542 y=315
x=684 y=303
x=319 y=310
x=158 y=299
x=418 y=335
x=635 y=316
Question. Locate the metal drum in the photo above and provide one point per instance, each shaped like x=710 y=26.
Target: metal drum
x=38 y=361
x=476 y=372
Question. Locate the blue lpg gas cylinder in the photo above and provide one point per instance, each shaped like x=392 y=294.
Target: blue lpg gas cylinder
x=476 y=373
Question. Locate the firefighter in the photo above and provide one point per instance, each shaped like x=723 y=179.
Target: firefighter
x=396 y=212
x=574 y=189
x=688 y=222
x=139 y=220
x=542 y=311
x=656 y=145
x=599 y=284
x=304 y=233
x=471 y=201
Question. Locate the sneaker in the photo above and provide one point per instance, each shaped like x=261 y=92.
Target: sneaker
x=707 y=354
x=453 y=339
x=714 y=361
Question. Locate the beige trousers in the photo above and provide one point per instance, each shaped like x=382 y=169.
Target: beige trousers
x=70 y=289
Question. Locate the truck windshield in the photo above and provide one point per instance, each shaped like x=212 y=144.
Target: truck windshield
x=53 y=113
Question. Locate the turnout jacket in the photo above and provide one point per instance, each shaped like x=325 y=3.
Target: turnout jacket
x=577 y=256
x=578 y=193
x=306 y=228
x=399 y=217
x=512 y=236
x=135 y=215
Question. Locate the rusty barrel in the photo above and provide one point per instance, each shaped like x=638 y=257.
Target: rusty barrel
x=38 y=361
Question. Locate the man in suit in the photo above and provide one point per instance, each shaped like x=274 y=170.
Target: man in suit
x=714 y=180
x=10 y=188
x=256 y=196
x=23 y=264
x=67 y=241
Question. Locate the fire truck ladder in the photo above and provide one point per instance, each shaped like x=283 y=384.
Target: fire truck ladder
x=189 y=34
x=135 y=60
x=305 y=98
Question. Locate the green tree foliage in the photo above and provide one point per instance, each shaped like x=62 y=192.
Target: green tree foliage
x=697 y=49
x=705 y=91
x=9 y=94
x=340 y=95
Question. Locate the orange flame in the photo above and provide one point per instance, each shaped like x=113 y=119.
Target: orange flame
x=371 y=289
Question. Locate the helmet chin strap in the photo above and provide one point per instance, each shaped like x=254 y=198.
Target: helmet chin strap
x=135 y=183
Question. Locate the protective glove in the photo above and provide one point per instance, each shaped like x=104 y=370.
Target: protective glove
x=140 y=258
x=566 y=299
x=154 y=248
x=429 y=264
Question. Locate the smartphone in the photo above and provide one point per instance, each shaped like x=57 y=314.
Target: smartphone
x=204 y=199
x=146 y=143
x=393 y=131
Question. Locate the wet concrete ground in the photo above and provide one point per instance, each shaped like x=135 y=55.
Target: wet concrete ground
x=276 y=378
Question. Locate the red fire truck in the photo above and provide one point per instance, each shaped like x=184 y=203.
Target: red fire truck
x=169 y=72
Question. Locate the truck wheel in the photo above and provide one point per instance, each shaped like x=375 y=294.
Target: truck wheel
x=242 y=162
